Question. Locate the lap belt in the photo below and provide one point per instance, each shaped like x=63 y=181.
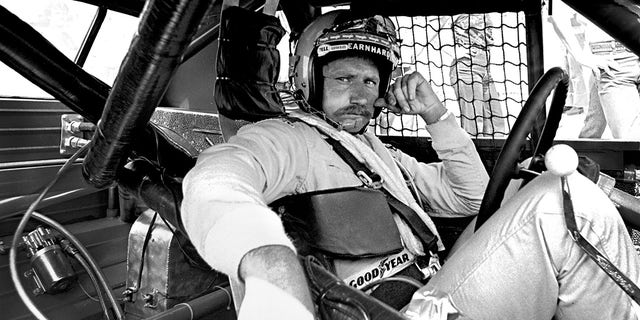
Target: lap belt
x=373 y=180
x=618 y=277
x=414 y=221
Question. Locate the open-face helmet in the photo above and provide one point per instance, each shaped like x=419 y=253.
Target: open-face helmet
x=335 y=34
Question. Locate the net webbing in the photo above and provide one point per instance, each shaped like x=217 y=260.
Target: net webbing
x=476 y=65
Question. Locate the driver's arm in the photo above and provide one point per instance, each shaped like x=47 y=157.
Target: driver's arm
x=275 y=285
x=455 y=186
x=225 y=213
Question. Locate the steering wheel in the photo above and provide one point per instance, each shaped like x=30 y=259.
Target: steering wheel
x=506 y=167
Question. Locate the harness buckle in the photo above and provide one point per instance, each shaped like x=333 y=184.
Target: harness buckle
x=374 y=182
x=431 y=268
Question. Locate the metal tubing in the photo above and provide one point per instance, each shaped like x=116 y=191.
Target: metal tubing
x=27 y=52
x=34 y=163
x=198 y=307
x=90 y=38
x=535 y=63
x=113 y=202
x=12 y=206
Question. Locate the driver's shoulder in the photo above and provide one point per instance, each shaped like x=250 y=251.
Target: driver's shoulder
x=280 y=133
x=278 y=128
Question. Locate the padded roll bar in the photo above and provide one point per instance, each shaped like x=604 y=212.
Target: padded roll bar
x=25 y=50
x=165 y=31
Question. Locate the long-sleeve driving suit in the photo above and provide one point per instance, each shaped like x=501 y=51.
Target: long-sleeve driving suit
x=520 y=265
x=226 y=194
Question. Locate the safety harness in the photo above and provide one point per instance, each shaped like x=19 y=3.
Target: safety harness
x=618 y=277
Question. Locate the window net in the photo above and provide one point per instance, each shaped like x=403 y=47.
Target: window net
x=476 y=64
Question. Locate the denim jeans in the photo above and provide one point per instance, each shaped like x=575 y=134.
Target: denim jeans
x=595 y=122
x=522 y=263
x=480 y=109
x=617 y=103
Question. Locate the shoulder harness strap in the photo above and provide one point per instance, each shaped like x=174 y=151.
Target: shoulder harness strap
x=370 y=178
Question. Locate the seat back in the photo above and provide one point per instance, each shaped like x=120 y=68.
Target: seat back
x=230 y=127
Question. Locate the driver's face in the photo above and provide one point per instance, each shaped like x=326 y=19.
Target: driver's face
x=350 y=89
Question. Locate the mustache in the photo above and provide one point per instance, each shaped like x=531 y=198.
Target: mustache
x=355 y=109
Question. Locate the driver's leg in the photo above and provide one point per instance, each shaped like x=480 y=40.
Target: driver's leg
x=523 y=265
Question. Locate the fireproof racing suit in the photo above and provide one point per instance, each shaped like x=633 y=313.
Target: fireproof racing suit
x=228 y=215
x=521 y=264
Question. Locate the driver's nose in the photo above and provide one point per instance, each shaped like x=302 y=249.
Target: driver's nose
x=359 y=94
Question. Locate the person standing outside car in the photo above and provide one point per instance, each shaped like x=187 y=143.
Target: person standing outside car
x=520 y=264
x=615 y=97
x=579 y=81
x=481 y=113
x=618 y=86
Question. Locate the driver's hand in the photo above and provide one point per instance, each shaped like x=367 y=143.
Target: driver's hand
x=412 y=94
x=275 y=285
x=263 y=300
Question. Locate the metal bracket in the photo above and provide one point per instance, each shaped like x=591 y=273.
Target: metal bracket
x=72 y=137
